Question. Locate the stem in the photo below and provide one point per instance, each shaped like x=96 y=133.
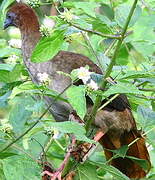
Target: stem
x=92 y=50
x=90 y=118
x=109 y=101
x=95 y=32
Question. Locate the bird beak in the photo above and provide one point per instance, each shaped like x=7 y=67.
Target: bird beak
x=8 y=22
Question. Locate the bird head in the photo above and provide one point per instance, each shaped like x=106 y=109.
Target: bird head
x=21 y=16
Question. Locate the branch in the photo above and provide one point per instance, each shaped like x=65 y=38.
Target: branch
x=90 y=118
x=95 y=32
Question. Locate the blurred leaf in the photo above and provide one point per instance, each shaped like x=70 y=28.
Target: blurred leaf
x=71 y=128
x=76 y=97
x=87 y=7
x=144 y=29
x=143 y=163
x=122 y=88
x=6 y=67
x=10 y=76
x=21 y=167
x=102 y=24
x=68 y=127
x=122 y=13
x=7 y=51
x=19 y=115
x=4 y=155
x=121 y=151
x=86 y=171
x=137 y=74
x=145 y=48
x=122 y=58
x=113 y=171
x=31 y=88
x=107 y=11
x=146 y=116
x=48 y=47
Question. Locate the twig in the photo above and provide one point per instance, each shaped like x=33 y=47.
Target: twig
x=93 y=51
x=47 y=146
x=95 y=32
x=107 y=102
x=90 y=118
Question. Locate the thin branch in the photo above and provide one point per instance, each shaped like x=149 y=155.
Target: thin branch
x=95 y=32
x=92 y=49
x=107 y=102
x=90 y=118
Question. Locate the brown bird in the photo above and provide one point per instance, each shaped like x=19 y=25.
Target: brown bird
x=116 y=119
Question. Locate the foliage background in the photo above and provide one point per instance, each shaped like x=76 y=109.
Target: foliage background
x=134 y=71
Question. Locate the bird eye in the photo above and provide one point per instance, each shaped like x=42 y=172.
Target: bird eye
x=8 y=16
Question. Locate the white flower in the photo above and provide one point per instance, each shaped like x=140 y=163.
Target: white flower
x=5 y=125
x=43 y=77
x=18 y=1
x=84 y=74
x=16 y=43
x=93 y=85
x=12 y=59
x=67 y=15
x=48 y=22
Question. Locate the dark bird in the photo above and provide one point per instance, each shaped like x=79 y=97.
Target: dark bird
x=116 y=119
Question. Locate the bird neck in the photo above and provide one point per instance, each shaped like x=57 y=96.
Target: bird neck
x=30 y=36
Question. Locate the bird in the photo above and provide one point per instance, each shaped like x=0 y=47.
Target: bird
x=115 y=120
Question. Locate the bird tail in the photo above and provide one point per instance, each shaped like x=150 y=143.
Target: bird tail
x=138 y=149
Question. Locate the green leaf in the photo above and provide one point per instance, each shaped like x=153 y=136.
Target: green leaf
x=86 y=7
x=6 y=67
x=48 y=47
x=145 y=48
x=121 y=151
x=102 y=24
x=15 y=73
x=145 y=116
x=143 y=163
x=107 y=11
x=7 y=51
x=10 y=76
x=68 y=127
x=71 y=128
x=4 y=155
x=76 y=97
x=122 y=88
x=21 y=168
x=113 y=171
x=122 y=13
x=144 y=29
x=31 y=88
x=137 y=74
x=19 y=115
x=86 y=171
